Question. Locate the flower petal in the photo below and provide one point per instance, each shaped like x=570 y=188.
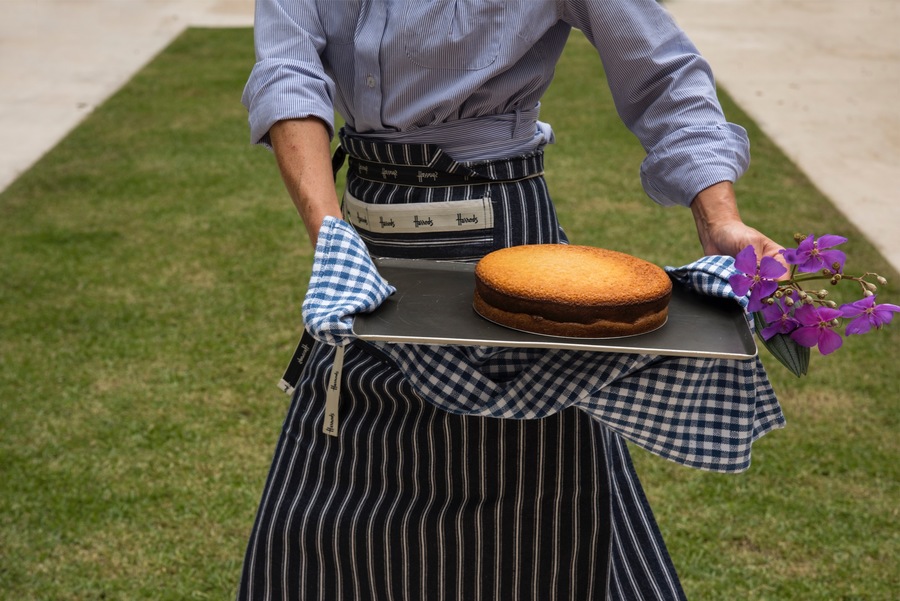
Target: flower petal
x=829 y=240
x=790 y=255
x=811 y=265
x=860 y=325
x=827 y=313
x=746 y=260
x=782 y=326
x=774 y=311
x=883 y=314
x=857 y=307
x=830 y=257
x=771 y=269
x=756 y=302
x=806 y=245
x=740 y=284
x=806 y=336
x=765 y=288
x=807 y=315
x=771 y=330
x=886 y=307
x=829 y=341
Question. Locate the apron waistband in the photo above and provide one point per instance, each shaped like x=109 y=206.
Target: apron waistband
x=465 y=222
x=427 y=165
x=407 y=175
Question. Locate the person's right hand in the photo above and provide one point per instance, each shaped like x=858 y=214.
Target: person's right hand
x=344 y=282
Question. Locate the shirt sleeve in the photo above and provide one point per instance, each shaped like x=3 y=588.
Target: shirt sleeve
x=665 y=94
x=288 y=80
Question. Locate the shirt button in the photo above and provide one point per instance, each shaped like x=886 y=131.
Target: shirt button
x=370 y=81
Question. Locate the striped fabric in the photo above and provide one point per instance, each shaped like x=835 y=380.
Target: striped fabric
x=409 y=502
x=412 y=503
x=468 y=75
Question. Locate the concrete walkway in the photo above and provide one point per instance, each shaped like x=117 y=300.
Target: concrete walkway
x=821 y=77
x=60 y=59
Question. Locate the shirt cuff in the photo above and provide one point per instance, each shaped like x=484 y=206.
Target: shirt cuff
x=692 y=159
x=276 y=91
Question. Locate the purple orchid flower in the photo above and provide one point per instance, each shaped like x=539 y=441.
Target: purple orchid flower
x=780 y=319
x=867 y=315
x=813 y=254
x=759 y=278
x=817 y=328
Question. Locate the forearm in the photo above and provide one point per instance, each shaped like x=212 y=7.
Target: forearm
x=714 y=208
x=303 y=151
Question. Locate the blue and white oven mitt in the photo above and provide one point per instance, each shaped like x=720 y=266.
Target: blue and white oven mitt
x=344 y=282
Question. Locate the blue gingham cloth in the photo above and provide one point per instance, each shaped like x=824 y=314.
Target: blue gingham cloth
x=344 y=282
x=702 y=413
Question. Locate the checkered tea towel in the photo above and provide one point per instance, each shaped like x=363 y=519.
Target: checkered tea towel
x=344 y=282
x=709 y=276
x=702 y=413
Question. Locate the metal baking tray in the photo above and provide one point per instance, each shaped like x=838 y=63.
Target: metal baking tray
x=433 y=305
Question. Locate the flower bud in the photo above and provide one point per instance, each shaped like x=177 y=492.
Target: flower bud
x=788 y=301
x=826 y=272
x=836 y=266
x=769 y=300
x=868 y=293
x=798 y=237
x=835 y=322
x=822 y=293
x=881 y=280
x=870 y=286
x=831 y=304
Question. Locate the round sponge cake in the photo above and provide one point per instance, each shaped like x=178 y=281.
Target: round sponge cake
x=572 y=291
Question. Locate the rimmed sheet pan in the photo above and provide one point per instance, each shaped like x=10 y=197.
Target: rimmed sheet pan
x=433 y=305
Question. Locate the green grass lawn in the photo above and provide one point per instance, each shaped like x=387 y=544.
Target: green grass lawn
x=150 y=287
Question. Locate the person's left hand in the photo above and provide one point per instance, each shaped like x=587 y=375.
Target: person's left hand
x=733 y=237
x=721 y=230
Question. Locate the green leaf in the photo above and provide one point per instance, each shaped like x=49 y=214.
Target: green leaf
x=792 y=355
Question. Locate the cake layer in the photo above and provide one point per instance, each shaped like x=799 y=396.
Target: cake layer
x=571 y=291
x=600 y=328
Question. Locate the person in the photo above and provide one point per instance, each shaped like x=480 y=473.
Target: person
x=410 y=501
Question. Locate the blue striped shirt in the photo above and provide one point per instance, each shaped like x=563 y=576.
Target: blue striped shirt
x=468 y=75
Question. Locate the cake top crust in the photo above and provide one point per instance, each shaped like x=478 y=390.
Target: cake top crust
x=571 y=274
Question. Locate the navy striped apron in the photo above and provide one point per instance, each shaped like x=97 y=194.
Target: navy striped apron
x=413 y=503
